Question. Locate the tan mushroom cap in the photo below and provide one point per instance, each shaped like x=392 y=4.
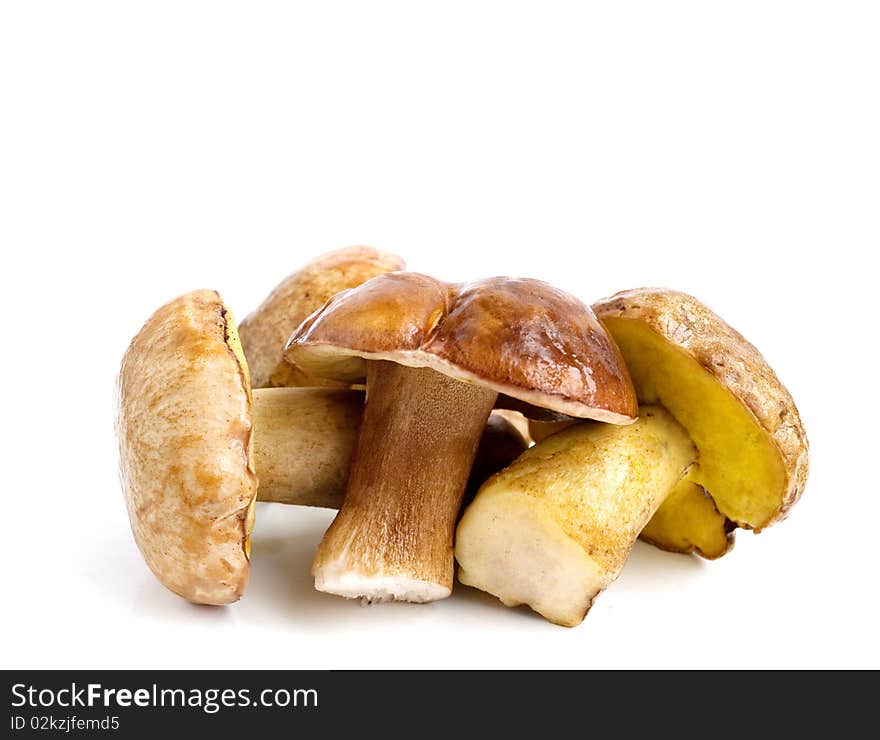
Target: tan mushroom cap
x=184 y=426
x=688 y=352
x=265 y=331
x=521 y=337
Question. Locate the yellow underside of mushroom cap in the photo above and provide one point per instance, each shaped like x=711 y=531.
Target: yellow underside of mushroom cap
x=689 y=521
x=738 y=464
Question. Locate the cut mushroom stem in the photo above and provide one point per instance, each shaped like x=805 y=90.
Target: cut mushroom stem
x=303 y=440
x=553 y=536
x=302 y=443
x=392 y=538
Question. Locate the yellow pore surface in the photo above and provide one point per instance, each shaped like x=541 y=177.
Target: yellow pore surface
x=738 y=463
x=688 y=521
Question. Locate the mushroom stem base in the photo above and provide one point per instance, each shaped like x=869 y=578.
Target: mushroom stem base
x=392 y=539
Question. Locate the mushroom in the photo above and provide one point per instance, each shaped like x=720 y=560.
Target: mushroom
x=304 y=439
x=504 y=439
x=265 y=331
x=539 y=430
x=684 y=356
x=435 y=357
x=718 y=441
x=193 y=436
x=687 y=520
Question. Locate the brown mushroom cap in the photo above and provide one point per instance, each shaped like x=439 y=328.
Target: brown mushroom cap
x=184 y=425
x=520 y=337
x=265 y=331
x=655 y=327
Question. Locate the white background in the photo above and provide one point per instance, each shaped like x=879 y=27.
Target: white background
x=729 y=150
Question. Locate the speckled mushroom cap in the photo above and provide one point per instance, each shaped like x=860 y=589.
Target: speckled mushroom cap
x=521 y=337
x=184 y=427
x=716 y=355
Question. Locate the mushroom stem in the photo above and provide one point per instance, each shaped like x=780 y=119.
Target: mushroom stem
x=392 y=538
x=302 y=443
x=555 y=528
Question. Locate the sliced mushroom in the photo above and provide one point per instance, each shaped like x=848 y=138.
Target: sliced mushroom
x=554 y=528
x=193 y=437
x=435 y=356
x=265 y=331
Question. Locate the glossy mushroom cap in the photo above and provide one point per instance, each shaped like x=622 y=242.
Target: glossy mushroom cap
x=523 y=338
x=265 y=331
x=184 y=425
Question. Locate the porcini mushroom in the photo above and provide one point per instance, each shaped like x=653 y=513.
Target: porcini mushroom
x=435 y=357
x=193 y=437
x=265 y=331
x=687 y=520
x=716 y=429
x=716 y=384
x=189 y=433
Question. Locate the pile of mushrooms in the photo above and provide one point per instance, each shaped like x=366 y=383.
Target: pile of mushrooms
x=501 y=423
